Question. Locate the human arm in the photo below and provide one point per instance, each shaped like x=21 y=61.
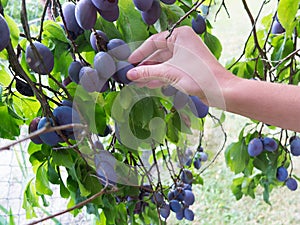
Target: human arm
x=185 y=62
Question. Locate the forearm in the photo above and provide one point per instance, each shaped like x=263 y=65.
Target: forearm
x=274 y=104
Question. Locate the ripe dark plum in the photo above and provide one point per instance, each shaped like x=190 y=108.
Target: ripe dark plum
x=67 y=103
x=165 y=211
x=33 y=126
x=102 y=39
x=255 y=147
x=186 y=176
x=105 y=4
x=198 y=108
x=282 y=173
x=292 y=184
x=180 y=100
x=74 y=70
x=122 y=68
x=295 y=146
x=277 y=28
x=68 y=10
x=118 y=49
x=66 y=115
x=168 y=2
x=157 y=198
x=175 y=205
x=89 y=79
x=197 y=163
x=104 y=64
x=179 y=214
x=24 y=88
x=143 y=5
x=188 y=214
x=269 y=144
x=5 y=34
x=41 y=63
x=203 y=156
x=86 y=14
x=198 y=24
x=110 y=15
x=152 y=15
x=50 y=138
x=168 y=90
x=179 y=193
x=171 y=195
x=189 y=197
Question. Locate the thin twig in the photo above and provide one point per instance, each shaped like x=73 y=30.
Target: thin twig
x=42 y=131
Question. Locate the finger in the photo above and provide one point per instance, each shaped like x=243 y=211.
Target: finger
x=152 y=44
x=162 y=72
x=157 y=57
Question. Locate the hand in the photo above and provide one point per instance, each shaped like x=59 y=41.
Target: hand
x=183 y=61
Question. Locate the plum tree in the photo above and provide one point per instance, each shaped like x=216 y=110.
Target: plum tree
x=277 y=27
x=175 y=206
x=168 y=90
x=85 y=14
x=180 y=100
x=255 y=147
x=39 y=58
x=197 y=163
x=65 y=115
x=5 y=33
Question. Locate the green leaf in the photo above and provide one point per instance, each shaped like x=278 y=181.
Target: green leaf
x=213 y=44
x=41 y=182
x=287 y=10
x=4 y=3
x=62 y=158
x=108 y=28
x=130 y=23
x=9 y=127
x=53 y=30
x=30 y=200
x=236 y=187
x=53 y=176
x=64 y=192
x=13 y=29
x=236 y=156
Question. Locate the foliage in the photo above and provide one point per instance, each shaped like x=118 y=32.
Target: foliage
x=104 y=155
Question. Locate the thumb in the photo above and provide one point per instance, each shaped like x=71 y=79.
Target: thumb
x=149 y=72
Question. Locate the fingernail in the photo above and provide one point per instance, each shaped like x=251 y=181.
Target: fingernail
x=132 y=74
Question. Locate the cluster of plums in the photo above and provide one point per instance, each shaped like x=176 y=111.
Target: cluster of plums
x=258 y=145
x=198 y=158
x=107 y=64
x=63 y=115
x=180 y=100
x=180 y=198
